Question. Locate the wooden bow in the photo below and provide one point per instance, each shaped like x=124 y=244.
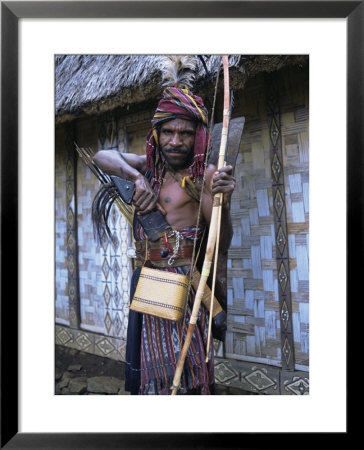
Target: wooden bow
x=212 y=237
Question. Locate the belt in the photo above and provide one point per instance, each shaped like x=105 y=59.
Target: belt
x=160 y=253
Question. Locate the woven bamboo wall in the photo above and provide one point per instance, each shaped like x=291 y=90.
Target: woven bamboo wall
x=103 y=271
x=253 y=294
x=137 y=126
x=252 y=272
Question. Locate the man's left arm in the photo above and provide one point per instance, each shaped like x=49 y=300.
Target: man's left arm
x=217 y=181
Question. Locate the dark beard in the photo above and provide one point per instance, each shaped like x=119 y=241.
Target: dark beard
x=183 y=163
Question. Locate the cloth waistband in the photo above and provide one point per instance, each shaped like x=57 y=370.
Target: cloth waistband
x=159 y=253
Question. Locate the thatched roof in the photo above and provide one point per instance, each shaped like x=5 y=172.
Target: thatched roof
x=89 y=84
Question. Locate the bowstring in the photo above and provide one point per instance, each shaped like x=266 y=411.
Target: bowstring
x=193 y=263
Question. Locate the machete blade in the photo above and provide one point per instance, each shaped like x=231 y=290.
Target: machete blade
x=235 y=133
x=236 y=127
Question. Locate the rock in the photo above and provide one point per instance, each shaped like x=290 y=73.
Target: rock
x=104 y=385
x=67 y=376
x=75 y=368
x=77 y=385
x=64 y=383
x=58 y=374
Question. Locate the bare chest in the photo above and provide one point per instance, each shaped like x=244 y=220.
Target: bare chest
x=172 y=195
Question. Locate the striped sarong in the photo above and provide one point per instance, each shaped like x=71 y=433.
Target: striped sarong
x=160 y=342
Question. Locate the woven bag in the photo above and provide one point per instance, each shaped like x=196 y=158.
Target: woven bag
x=161 y=294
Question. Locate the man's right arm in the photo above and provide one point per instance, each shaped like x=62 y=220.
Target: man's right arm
x=126 y=165
x=130 y=167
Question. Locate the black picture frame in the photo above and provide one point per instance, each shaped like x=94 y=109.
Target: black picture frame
x=11 y=12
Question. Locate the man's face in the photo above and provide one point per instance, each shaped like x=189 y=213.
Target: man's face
x=176 y=140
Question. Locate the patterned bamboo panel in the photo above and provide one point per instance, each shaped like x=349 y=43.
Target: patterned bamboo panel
x=105 y=269
x=295 y=150
x=260 y=378
x=72 y=227
x=90 y=342
x=61 y=272
x=280 y=218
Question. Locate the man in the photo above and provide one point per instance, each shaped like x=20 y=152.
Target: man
x=174 y=159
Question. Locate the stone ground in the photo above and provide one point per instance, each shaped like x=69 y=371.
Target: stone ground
x=80 y=373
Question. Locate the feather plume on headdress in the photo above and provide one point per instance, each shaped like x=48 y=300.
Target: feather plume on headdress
x=178 y=71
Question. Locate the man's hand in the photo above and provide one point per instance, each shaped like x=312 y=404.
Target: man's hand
x=223 y=181
x=144 y=198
